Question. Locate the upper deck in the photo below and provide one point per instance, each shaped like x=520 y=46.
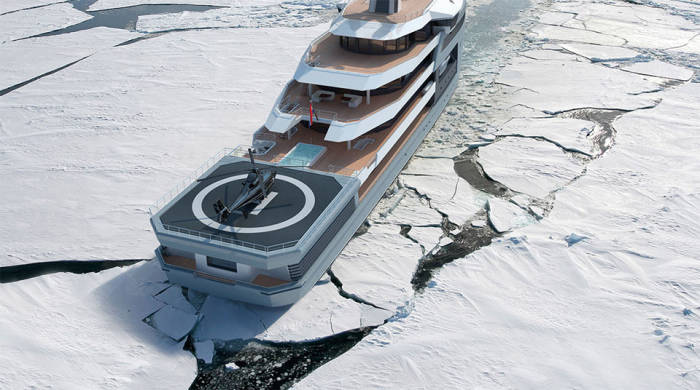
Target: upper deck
x=408 y=10
x=327 y=53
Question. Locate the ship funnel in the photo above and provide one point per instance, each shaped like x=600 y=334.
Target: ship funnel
x=384 y=6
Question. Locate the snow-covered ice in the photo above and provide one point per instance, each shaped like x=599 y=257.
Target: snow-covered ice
x=320 y=313
x=555 y=86
x=660 y=69
x=529 y=311
x=100 y=5
x=538 y=54
x=16 y=5
x=26 y=23
x=525 y=165
x=600 y=53
x=173 y=322
x=124 y=126
x=635 y=25
x=378 y=266
x=28 y=58
x=571 y=134
x=86 y=331
x=505 y=216
x=558 y=33
x=248 y=14
x=431 y=176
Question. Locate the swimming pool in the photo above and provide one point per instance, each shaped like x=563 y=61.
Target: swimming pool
x=304 y=155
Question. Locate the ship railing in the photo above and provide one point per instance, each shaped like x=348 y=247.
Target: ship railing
x=291 y=106
x=153 y=209
x=239 y=151
x=231 y=241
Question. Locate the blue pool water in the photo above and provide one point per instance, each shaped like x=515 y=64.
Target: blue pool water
x=303 y=155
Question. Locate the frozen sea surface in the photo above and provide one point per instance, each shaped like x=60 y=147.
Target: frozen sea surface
x=572 y=132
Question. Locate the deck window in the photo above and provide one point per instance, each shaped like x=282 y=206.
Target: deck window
x=222 y=264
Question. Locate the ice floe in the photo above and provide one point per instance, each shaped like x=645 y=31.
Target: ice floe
x=537 y=54
x=26 y=23
x=601 y=53
x=555 y=18
x=378 y=267
x=558 y=33
x=505 y=216
x=320 y=313
x=249 y=15
x=16 y=5
x=100 y=5
x=555 y=86
x=173 y=322
x=406 y=208
x=204 y=350
x=660 y=69
x=533 y=167
x=28 y=58
x=571 y=134
x=636 y=25
x=452 y=195
x=54 y=324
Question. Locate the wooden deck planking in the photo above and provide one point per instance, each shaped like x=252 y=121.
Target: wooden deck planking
x=337 y=158
x=408 y=10
x=179 y=261
x=327 y=53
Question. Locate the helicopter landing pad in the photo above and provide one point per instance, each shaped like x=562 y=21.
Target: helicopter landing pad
x=296 y=200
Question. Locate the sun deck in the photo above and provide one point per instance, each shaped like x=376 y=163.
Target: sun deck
x=296 y=101
x=408 y=10
x=327 y=53
x=337 y=158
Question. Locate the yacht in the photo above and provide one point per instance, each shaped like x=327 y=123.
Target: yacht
x=262 y=223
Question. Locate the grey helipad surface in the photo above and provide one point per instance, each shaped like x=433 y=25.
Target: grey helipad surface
x=297 y=198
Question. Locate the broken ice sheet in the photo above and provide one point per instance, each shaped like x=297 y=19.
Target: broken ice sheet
x=660 y=69
x=110 y=4
x=28 y=58
x=16 y=5
x=35 y=21
x=321 y=312
x=571 y=134
x=556 y=86
x=448 y=193
x=549 y=55
x=378 y=266
x=174 y=297
x=601 y=53
x=637 y=25
x=529 y=166
x=571 y=34
x=173 y=322
x=204 y=350
x=506 y=216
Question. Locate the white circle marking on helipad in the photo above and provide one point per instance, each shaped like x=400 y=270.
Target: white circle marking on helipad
x=198 y=211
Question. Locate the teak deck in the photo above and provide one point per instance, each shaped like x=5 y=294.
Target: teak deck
x=408 y=10
x=337 y=158
x=327 y=53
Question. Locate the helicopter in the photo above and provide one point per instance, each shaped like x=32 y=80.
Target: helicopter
x=256 y=187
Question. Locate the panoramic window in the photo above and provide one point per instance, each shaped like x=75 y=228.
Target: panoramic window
x=222 y=264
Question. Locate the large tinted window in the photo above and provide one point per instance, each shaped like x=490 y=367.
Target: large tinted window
x=374 y=46
x=222 y=264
